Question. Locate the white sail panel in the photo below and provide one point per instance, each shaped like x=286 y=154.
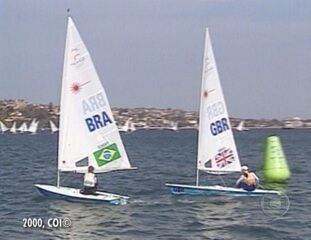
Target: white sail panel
x=87 y=128
x=132 y=127
x=125 y=127
x=22 y=128
x=216 y=147
x=33 y=126
x=240 y=127
x=53 y=127
x=13 y=128
x=3 y=127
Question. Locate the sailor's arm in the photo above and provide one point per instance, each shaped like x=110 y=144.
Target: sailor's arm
x=256 y=178
x=238 y=181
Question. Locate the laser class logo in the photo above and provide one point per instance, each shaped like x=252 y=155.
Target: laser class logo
x=76 y=87
x=207 y=92
x=107 y=154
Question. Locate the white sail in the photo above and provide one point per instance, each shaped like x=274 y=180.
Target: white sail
x=174 y=126
x=132 y=127
x=217 y=152
x=53 y=127
x=241 y=126
x=3 y=128
x=22 y=128
x=87 y=128
x=33 y=126
x=13 y=128
x=125 y=127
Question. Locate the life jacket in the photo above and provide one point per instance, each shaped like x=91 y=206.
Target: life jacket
x=249 y=178
x=89 y=180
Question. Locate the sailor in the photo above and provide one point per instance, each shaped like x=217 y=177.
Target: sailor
x=248 y=180
x=90 y=182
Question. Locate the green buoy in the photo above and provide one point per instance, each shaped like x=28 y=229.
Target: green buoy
x=275 y=167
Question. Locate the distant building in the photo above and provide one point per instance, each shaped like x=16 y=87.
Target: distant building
x=294 y=122
x=15 y=116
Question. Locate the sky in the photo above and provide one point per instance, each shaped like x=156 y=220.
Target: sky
x=148 y=53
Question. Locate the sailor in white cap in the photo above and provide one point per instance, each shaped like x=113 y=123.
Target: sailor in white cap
x=248 y=180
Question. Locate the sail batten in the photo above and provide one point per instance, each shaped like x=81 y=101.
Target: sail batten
x=87 y=127
x=216 y=146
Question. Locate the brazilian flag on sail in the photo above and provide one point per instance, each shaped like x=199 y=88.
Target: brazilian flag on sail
x=107 y=154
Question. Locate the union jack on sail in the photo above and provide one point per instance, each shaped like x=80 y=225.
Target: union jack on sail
x=224 y=157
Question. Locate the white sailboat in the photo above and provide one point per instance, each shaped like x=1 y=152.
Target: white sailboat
x=3 y=128
x=241 y=126
x=87 y=128
x=13 y=128
x=22 y=128
x=132 y=127
x=53 y=127
x=217 y=153
x=125 y=127
x=174 y=126
x=33 y=126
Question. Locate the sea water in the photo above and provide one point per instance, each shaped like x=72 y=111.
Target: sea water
x=162 y=156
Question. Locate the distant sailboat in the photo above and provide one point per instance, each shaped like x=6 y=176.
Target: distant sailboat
x=87 y=129
x=125 y=127
x=241 y=127
x=33 y=126
x=132 y=127
x=54 y=129
x=217 y=153
x=13 y=128
x=3 y=128
x=22 y=128
x=174 y=126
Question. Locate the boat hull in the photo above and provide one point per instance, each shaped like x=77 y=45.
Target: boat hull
x=73 y=194
x=180 y=189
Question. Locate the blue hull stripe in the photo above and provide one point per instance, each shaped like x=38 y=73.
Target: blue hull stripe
x=193 y=190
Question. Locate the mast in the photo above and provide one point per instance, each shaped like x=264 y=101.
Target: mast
x=197 y=177
x=201 y=107
x=58 y=178
x=66 y=43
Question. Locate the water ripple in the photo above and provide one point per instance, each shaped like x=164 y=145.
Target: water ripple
x=152 y=212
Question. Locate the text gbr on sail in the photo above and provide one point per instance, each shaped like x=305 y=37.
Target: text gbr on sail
x=92 y=104
x=220 y=125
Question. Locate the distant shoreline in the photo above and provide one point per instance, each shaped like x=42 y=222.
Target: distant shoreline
x=20 y=111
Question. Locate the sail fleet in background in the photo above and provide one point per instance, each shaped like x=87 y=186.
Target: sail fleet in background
x=32 y=129
x=128 y=127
